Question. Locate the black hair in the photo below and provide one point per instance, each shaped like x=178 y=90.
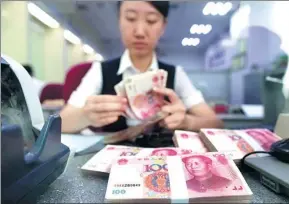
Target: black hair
x=29 y=69
x=162 y=6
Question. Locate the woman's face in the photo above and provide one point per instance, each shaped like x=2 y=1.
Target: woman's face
x=141 y=26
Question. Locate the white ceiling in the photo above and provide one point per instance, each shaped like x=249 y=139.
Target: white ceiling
x=97 y=23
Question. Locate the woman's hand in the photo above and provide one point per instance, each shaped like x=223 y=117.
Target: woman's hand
x=175 y=109
x=101 y=110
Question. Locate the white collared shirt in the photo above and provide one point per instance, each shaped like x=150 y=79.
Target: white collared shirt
x=91 y=84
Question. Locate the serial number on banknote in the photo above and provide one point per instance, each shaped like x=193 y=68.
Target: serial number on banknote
x=126 y=185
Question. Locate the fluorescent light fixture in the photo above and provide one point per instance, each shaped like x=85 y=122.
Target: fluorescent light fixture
x=207 y=29
x=42 y=16
x=184 y=41
x=194 y=29
x=195 y=42
x=87 y=49
x=200 y=29
x=225 y=8
x=98 y=57
x=208 y=8
x=228 y=6
x=214 y=12
x=218 y=8
x=69 y=36
x=190 y=41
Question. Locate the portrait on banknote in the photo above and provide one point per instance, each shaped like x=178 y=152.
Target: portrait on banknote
x=148 y=104
x=200 y=168
x=164 y=152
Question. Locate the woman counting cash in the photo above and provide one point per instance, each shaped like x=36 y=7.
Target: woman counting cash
x=95 y=104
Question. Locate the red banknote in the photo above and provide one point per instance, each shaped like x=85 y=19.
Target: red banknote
x=191 y=178
x=101 y=161
x=144 y=103
x=189 y=140
x=164 y=151
x=238 y=142
x=263 y=137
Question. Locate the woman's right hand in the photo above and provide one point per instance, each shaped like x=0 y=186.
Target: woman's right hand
x=101 y=110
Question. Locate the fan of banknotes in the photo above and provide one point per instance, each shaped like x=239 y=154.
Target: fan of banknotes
x=144 y=103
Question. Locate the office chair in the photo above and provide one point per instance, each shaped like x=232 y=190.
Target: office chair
x=51 y=91
x=73 y=78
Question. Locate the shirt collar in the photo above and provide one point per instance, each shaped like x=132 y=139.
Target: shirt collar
x=126 y=63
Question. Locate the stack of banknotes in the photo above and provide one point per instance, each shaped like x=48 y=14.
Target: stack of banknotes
x=234 y=143
x=143 y=102
x=189 y=140
x=189 y=178
x=202 y=168
x=102 y=161
x=238 y=143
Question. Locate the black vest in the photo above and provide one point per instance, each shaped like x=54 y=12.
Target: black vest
x=110 y=79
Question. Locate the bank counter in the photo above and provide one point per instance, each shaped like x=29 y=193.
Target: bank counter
x=75 y=186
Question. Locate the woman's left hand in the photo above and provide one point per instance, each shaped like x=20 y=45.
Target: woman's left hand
x=175 y=109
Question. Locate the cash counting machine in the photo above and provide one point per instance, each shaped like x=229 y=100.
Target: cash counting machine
x=31 y=150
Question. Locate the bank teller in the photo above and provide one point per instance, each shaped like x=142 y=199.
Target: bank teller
x=94 y=102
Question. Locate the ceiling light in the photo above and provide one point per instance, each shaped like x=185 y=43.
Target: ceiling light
x=200 y=29
x=98 y=57
x=218 y=8
x=42 y=16
x=69 y=36
x=207 y=29
x=194 y=29
x=214 y=12
x=87 y=49
x=190 y=41
x=185 y=41
x=196 y=41
x=222 y=12
x=228 y=6
x=208 y=8
x=225 y=8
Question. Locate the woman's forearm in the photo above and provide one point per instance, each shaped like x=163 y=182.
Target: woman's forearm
x=195 y=123
x=73 y=120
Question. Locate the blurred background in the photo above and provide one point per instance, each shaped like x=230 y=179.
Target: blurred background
x=234 y=52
